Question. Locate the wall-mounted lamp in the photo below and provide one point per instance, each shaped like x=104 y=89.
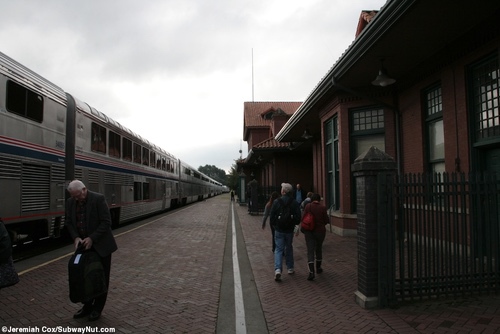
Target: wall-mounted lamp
x=306 y=135
x=382 y=78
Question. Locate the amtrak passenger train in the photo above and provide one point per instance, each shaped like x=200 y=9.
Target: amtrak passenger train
x=48 y=138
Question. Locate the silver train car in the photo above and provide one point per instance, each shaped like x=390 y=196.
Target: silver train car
x=48 y=138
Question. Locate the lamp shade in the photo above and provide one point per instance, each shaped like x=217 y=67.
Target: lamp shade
x=383 y=79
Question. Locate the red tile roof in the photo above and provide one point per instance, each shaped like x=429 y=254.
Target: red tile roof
x=270 y=143
x=365 y=18
x=253 y=112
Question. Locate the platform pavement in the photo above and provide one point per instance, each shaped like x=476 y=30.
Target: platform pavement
x=166 y=279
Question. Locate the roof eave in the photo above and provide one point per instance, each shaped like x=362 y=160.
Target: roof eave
x=388 y=15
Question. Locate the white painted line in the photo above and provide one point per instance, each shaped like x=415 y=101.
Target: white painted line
x=238 y=291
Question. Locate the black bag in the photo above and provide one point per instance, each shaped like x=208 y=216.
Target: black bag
x=86 y=276
x=8 y=274
x=285 y=220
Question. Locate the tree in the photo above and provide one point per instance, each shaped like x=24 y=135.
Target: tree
x=233 y=177
x=214 y=172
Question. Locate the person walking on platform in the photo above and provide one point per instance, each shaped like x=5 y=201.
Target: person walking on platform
x=299 y=194
x=315 y=238
x=306 y=201
x=267 y=212
x=285 y=217
x=89 y=223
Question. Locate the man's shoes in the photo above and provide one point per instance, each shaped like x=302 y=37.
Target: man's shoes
x=277 y=276
x=310 y=277
x=319 y=270
x=83 y=312
x=94 y=315
x=291 y=271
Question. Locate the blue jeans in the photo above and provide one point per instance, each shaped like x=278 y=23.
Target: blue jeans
x=283 y=244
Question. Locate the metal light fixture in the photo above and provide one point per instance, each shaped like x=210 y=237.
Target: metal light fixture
x=382 y=78
x=306 y=135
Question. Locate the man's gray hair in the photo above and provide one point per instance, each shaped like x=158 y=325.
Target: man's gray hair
x=76 y=185
x=286 y=188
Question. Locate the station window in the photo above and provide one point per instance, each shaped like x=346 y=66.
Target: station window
x=332 y=162
x=433 y=109
x=24 y=102
x=98 y=143
x=114 y=144
x=367 y=130
x=127 y=149
x=485 y=81
x=137 y=153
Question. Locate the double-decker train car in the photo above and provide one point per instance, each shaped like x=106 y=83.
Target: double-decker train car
x=48 y=138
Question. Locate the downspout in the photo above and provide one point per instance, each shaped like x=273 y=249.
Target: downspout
x=398 y=140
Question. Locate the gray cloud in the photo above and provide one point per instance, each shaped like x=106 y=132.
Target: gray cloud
x=181 y=58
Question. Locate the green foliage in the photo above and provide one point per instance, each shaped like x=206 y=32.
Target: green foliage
x=214 y=172
x=233 y=177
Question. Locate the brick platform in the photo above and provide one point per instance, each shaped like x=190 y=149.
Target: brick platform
x=166 y=278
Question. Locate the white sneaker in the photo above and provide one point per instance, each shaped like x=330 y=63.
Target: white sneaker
x=291 y=271
x=277 y=275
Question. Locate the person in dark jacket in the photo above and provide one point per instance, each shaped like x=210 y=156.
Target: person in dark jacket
x=9 y=275
x=267 y=212
x=315 y=238
x=5 y=244
x=89 y=223
x=299 y=194
x=283 y=237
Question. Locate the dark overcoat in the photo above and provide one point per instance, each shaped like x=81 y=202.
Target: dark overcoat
x=98 y=222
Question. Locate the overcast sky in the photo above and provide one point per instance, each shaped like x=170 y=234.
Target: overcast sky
x=177 y=72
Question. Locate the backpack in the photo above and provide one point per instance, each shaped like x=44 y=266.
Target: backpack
x=307 y=221
x=285 y=220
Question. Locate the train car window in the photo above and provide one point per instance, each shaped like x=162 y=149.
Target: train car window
x=145 y=156
x=152 y=158
x=145 y=191
x=24 y=102
x=98 y=143
x=159 y=159
x=127 y=149
x=114 y=144
x=137 y=191
x=163 y=163
x=137 y=153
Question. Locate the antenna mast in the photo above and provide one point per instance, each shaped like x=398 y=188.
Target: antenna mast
x=252 y=75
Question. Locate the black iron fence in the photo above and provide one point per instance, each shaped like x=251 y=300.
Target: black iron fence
x=439 y=236
x=263 y=195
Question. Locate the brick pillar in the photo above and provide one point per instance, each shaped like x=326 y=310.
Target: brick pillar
x=366 y=169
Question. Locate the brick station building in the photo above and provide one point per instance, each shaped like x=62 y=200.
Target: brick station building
x=420 y=82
